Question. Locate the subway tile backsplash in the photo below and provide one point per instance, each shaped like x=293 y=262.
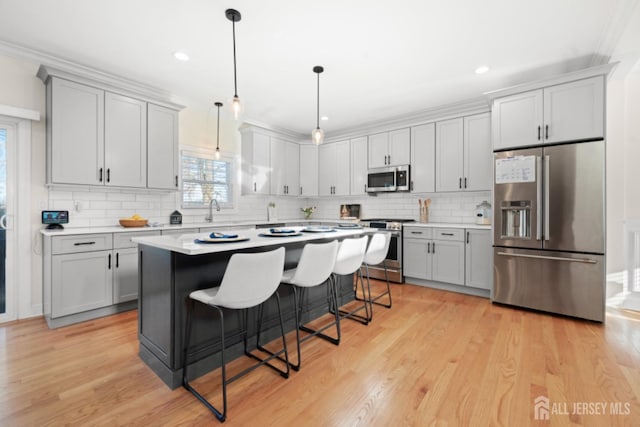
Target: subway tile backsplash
x=97 y=207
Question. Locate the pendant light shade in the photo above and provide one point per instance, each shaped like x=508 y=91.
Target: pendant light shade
x=218 y=104
x=236 y=107
x=317 y=135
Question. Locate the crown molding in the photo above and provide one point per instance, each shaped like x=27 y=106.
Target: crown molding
x=616 y=26
x=250 y=125
x=59 y=67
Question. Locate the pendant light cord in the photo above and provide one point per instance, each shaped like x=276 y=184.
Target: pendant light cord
x=218 y=136
x=318 y=105
x=235 y=78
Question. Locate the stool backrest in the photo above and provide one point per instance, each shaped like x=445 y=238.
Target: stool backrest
x=250 y=279
x=316 y=263
x=350 y=255
x=378 y=248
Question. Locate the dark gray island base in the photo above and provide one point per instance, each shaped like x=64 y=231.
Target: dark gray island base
x=166 y=278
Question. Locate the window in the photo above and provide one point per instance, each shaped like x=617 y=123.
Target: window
x=204 y=178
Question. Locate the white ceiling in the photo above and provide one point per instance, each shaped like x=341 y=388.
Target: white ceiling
x=382 y=59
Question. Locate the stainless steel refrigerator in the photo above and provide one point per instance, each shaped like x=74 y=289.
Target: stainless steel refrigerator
x=549 y=229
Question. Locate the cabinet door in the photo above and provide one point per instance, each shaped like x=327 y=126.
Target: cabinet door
x=76 y=123
x=378 y=150
x=359 y=166
x=416 y=259
x=448 y=261
x=517 y=120
x=449 y=152
x=399 y=147
x=125 y=139
x=327 y=167
x=292 y=168
x=478 y=156
x=162 y=148
x=478 y=264
x=125 y=279
x=423 y=158
x=343 y=167
x=308 y=170
x=261 y=164
x=278 y=164
x=574 y=111
x=80 y=282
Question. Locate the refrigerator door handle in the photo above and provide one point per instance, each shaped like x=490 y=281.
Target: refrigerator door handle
x=582 y=260
x=546 y=197
x=538 y=197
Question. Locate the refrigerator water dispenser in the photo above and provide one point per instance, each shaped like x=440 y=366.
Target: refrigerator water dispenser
x=516 y=219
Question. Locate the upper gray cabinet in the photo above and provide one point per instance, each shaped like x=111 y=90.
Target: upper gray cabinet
x=570 y=111
x=390 y=148
x=99 y=135
x=423 y=158
x=162 y=148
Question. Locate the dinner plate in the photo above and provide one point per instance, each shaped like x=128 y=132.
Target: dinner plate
x=318 y=229
x=271 y=234
x=351 y=226
x=222 y=239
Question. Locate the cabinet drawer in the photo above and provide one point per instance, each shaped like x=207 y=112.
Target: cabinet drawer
x=418 y=232
x=82 y=243
x=456 y=234
x=123 y=240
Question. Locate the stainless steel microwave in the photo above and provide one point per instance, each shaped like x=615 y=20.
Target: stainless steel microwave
x=388 y=179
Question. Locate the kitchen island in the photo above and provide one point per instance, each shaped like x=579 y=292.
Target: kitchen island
x=172 y=266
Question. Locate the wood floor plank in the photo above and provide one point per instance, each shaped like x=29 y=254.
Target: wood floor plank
x=435 y=358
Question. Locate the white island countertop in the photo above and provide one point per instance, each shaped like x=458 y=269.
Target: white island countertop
x=186 y=244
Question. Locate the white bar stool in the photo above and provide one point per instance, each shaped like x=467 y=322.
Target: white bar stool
x=249 y=280
x=313 y=269
x=377 y=254
x=348 y=261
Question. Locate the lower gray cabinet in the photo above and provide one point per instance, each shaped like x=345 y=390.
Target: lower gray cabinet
x=479 y=266
x=80 y=282
x=434 y=254
x=125 y=275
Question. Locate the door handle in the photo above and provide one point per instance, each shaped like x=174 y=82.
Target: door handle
x=433 y=247
x=389 y=156
x=117 y=259
x=108 y=175
x=538 y=197
x=553 y=258
x=84 y=243
x=100 y=179
x=467 y=237
x=176 y=181
x=3 y=222
x=460 y=182
x=446 y=234
x=428 y=247
x=465 y=182
x=109 y=261
x=416 y=232
x=546 y=197
x=254 y=187
x=301 y=193
x=538 y=133
x=411 y=186
x=546 y=132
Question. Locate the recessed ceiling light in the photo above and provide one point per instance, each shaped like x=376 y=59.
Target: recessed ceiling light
x=325 y=118
x=181 y=56
x=481 y=70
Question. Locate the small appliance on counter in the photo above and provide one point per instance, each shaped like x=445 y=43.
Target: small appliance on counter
x=349 y=211
x=483 y=213
x=175 y=218
x=54 y=219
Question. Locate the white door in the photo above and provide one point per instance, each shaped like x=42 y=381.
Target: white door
x=7 y=289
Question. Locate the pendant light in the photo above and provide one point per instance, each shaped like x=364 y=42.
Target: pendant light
x=317 y=135
x=218 y=104
x=234 y=16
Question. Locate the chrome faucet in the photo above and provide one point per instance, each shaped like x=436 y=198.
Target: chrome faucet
x=210 y=217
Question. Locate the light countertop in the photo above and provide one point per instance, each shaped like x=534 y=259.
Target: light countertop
x=185 y=243
x=448 y=225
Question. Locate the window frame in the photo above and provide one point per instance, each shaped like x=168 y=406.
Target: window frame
x=209 y=154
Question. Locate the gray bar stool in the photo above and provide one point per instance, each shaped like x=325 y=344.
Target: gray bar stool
x=348 y=261
x=249 y=280
x=377 y=254
x=313 y=269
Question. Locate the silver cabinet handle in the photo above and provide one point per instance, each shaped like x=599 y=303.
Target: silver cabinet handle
x=553 y=258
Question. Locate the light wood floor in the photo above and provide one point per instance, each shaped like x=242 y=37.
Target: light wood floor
x=435 y=358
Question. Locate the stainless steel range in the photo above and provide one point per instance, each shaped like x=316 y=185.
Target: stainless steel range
x=394 y=255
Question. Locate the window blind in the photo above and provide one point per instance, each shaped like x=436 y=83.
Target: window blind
x=204 y=178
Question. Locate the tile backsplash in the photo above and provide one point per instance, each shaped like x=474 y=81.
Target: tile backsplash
x=97 y=207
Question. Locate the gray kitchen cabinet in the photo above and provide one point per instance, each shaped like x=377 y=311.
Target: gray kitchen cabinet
x=163 y=158
x=285 y=167
x=434 y=254
x=359 y=166
x=569 y=111
x=125 y=275
x=391 y=148
x=333 y=164
x=80 y=282
x=256 y=162
x=423 y=158
x=125 y=141
x=478 y=262
x=308 y=170
x=463 y=154
x=75 y=130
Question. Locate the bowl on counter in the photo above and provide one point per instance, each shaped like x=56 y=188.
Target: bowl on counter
x=128 y=222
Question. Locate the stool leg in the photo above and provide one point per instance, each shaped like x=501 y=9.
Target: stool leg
x=368 y=312
x=318 y=332
x=388 y=292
